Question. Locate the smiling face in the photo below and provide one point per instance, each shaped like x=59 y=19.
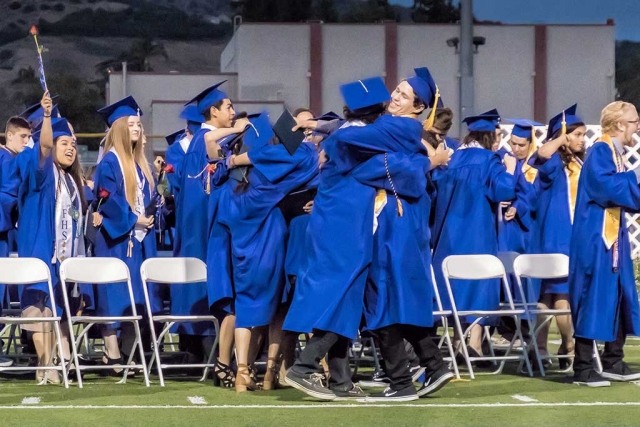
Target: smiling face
x=65 y=151
x=135 y=128
x=403 y=101
x=629 y=125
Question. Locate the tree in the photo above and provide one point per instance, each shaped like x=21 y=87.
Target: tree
x=627 y=77
x=325 y=10
x=370 y=11
x=435 y=11
x=137 y=57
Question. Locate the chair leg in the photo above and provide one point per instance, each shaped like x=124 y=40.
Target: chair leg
x=525 y=351
x=156 y=351
x=216 y=326
x=141 y=350
x=63 y=368
x=74 y=353
x=487 y=336
x=596 y=356
x=447 y=338
x=463 y=345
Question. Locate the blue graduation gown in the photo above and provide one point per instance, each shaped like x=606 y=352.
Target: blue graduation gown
x=469 y=193
x=30 y=186
x=256 y=232
x=192 y=229
x=112 y=240
x=552 y=226
x=599 y=296
x=7 y=227
x=329 y=293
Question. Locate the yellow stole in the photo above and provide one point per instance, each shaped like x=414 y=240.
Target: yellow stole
x=573 y=176
x=612 y=216
x=530 y=173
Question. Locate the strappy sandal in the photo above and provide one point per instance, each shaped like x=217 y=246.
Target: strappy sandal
x=223 y=376
x=272 y=376
x=244 y=381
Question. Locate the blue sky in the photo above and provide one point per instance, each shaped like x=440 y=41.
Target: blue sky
x=625 y=13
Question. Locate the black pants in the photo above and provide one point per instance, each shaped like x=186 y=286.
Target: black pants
x=613 y=350
x=336 y=348
x=395 y=356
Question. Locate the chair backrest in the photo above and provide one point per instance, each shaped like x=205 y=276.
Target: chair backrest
x=23 y=271
x=96 y=270
x=472 y=267
x=507 y=259
x=173 y=270
x=542 y=266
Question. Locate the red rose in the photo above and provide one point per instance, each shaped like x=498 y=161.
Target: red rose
x=211 y=167
x=103 y=193
x=33 y=30
x=169 y=168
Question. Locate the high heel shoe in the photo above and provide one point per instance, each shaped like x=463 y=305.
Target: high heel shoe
x=223 y=375
x=565 y=363
x=272 y=376
x=243 y=379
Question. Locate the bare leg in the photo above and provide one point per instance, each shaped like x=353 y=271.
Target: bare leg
x=257 y=337
x=545 y=302
x=475 y=338
x=565 y=326
x=243 y=379
x=111 y=349
x=227 y=335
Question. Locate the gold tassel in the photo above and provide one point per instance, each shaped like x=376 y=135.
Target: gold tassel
x=432 y=115
x=400 y=211
x=130 y=247
x=564 y=124
x=208 y=181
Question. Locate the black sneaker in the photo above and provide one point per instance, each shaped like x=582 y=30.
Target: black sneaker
x=390 y=395
x=620 y=371
x=416 y=372
x=354 y=394
x=379 y=379
x=312 y=385
x=435 y=381
x=590 y=378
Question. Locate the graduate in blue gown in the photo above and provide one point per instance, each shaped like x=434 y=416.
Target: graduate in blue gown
x=249 y=214
x=126 y=231
x=470 y=191
x=602 y=287
x=44 y=185
x=558 y=163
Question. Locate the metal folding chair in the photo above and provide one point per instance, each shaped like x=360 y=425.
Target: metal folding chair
x=474 y=268
x=446 y=336
x=101 y=272
x=542 y=266
x=29 y=271
x=173 y=271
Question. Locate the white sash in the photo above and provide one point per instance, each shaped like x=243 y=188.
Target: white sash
x=68 y=242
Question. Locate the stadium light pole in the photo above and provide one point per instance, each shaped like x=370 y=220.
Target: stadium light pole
x=466 y=59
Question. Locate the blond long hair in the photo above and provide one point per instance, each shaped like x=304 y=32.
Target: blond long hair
x=119 y=139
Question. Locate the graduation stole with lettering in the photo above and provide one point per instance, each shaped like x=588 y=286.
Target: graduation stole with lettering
x=612 y=216
x=530 y=173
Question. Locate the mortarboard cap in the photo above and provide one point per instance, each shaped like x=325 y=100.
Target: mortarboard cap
x=328 y=117
x=523 y=128
x=425 y=87
x=193 y=117
x=124 y=108
x=205 y=99
x=34 y=114
x=174 y=137
x=60 y=127
x=364 y=93
x=556 y=122
x=291 y=140
x=488 y=121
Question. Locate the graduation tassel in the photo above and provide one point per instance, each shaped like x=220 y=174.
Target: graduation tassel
x=564 y=124
x=432 y=115
x=130 y=246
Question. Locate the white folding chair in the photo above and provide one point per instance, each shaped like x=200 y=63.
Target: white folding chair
x=542 y=266
x=474 y=268
x=172 y=271
x=446 y=336
x=29 y=271
x=101 y=272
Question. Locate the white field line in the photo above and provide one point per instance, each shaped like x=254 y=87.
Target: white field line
x=522 y=398
x=333 y=405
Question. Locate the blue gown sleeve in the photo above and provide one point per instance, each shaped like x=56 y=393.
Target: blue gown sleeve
x=275 y=162
x=525 y=201
x=604 y=185
x=500 y=184
x=408 y=173
x=175 y=156
x=118 y=218
x=548 y=169
x=10 y=183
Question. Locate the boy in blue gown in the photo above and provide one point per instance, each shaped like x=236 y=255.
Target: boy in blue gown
x=602 y=288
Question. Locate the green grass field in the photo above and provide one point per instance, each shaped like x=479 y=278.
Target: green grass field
x=488 y=400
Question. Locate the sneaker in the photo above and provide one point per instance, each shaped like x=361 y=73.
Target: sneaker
x=379 y=380
x=435 y=381
x=620 y=371
x=416 y=372
x=312 y=385
x=389 y=395
x=590 y=378
x=5 y=362
x=353 y=394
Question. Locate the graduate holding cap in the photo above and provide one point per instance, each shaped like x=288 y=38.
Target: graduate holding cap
x=470 y=191
x=559 y=164
x=602 y=288
x=256 y=234
x=123 y=186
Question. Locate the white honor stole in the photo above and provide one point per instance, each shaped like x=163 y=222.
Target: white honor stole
x=69 y=241
x=139 y=231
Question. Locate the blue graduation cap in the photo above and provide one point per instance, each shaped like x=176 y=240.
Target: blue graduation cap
x=205 y=99
x=259 y=132
x=193 y=117
x=34 y=114
x=328 y=117
x=524 y=128
x=488 y=121
x=562 y=120
x=124 y=108
x=174 y=137
x=60 y=127
x=364 y=93
x=425 y=87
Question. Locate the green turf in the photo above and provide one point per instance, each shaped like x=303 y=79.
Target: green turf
x=486 y=389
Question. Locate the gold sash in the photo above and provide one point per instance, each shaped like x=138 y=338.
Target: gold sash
x=530 y=173
x=573 y=175
x=611 y=225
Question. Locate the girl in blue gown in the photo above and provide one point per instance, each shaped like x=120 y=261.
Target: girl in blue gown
x=125 y=229
x=558 y=162
x=469 y=192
